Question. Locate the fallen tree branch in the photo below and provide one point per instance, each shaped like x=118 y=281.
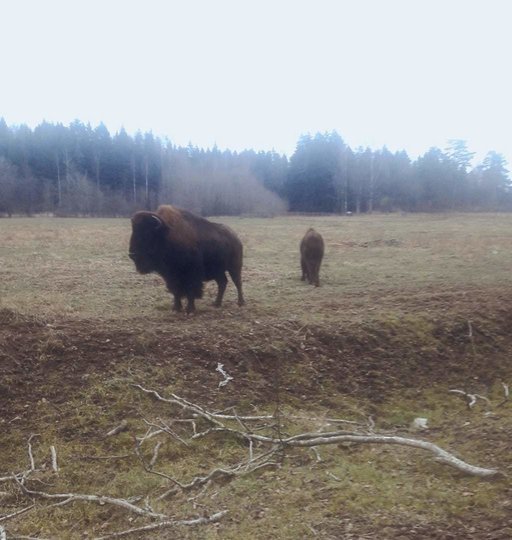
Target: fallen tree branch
x=212 y=416
x=506 y=392
x=101 y=458
x=53 y=452
x=100 y=499
x=205 y=520
x=163 y=428
x=227 y=376
x=17 y=513
x=155 y=454
x=320 y=438
x=16 y=537
x=441 y=455
x=123 y=426
x=472 y=398
x=30 y=456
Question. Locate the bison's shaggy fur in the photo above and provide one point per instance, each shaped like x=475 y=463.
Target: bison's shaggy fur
x=311 y=255
x=186 y=250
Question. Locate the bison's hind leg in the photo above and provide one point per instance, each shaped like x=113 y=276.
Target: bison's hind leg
x=236 y=276
x=316 y=274
x=222 y=282
x=304 y=270
x=311 y=272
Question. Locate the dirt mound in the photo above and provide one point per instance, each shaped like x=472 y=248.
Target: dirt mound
x=369 y=360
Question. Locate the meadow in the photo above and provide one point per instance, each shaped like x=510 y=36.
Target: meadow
x=410 y=306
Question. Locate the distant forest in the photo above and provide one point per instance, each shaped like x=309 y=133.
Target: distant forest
x=81 y=170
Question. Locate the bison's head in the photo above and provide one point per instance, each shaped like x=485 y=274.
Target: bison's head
x=147 y=241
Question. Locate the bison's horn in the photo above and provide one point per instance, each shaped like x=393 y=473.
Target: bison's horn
x=158 y=220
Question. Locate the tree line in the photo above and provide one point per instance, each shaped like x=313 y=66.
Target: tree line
x=81 y=170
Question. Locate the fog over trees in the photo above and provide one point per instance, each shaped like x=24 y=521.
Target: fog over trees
x=81 y=170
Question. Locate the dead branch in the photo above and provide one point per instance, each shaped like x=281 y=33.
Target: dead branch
x=17 y=513
x=317 y=454
x=26 y=538
x=207 y=415
x=227 y=377
x=67 y=498
x=163 y=428
x=155 y=454
x=150 y=470
x=441 y=455
x=30 y=456
x=168 y=523
x=9 y=478
x=53 y=452
x=318 y=438
x=94 y=458
x=123 y=426
x=471 y=398
x=184 y=404
x=506 y=392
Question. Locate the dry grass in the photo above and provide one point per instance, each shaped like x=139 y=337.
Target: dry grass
x=79 y=268
x=386 y=335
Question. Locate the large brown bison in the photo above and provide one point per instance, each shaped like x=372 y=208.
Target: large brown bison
x=186 y=250
x=311 y=255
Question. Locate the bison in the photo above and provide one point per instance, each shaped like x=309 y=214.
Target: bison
x=311 y=254
x=186 y=250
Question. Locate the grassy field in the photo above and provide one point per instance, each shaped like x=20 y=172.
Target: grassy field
x=385 y=336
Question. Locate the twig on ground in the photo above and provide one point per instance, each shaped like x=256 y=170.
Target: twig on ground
x=93 y=458
x=164 y=428
x=155 y=454
x=30 y=455
x=17 y=513
x=315 y=451
x=166 y=524
x=506 y=392
x=67 y=498
x=16 y=537
x=53 y=452
x=471 y=398
x=227 y=377
x=123 y=426
x=150 y=470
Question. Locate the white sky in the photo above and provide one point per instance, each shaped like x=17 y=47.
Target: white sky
x=408 y=74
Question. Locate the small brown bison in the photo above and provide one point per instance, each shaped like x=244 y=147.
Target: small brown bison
x=311 y=254
x=186 y=250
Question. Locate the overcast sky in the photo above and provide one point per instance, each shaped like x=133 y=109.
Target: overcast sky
x=408 y=74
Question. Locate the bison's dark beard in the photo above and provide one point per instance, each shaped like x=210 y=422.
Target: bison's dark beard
x=144 y=264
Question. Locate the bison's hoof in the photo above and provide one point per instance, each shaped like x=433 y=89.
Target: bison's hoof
x=217 y=304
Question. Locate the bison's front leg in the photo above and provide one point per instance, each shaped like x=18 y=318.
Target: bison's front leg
x=191 y=307
x=222 y=282
x=177 y=303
